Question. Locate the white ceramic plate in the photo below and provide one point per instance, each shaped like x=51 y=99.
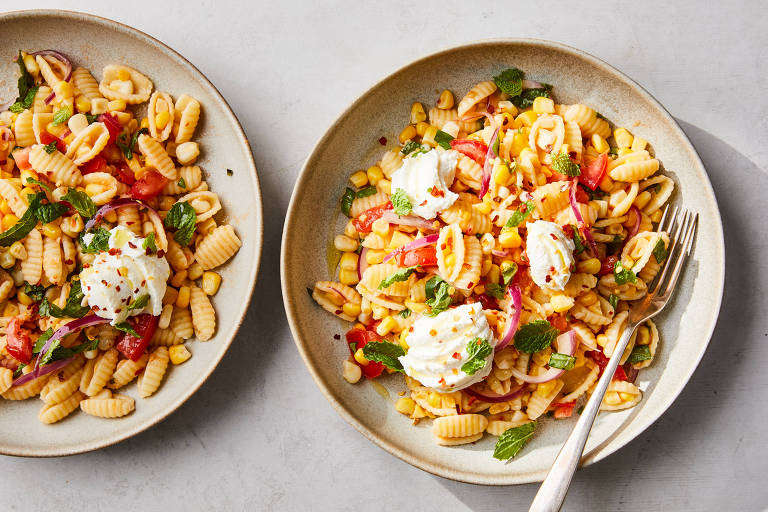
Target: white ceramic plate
x=93 y=42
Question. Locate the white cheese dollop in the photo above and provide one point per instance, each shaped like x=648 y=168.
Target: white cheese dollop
x=118 y=277
x=425 y=178
x=550 y=253
x=438 y=348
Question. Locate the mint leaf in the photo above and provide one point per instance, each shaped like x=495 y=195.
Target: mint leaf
x=525 y=99
x=508 y=272
x=40 y=343
x=50 y=147
x=478 y=350
x=27 y=88
x=346 y=201
x=35 y=292
x=62 y=115
x=127 y=145
x=623 y=275
x=365 y=192
x=443 y=139
x=578 y=243
x=81 y=202
x=182 y=218
x=149 y=243
x=99 y=242
x=510 y=81
x=26 y=223
x=39 y=183
x=91 y=118
x=535 y=336
x=56 y=352
x=639 y=354
x=563 y=164
x=48 y=212
x=613 y=300
x=18 y=372
x=405 y=313
x=660 y=251
x=519 y=216
x=72 y=308
x=495 y=290
x=512 y=440
x=438 y=295
x=140 y=303
x=126 y=327
x=562 y=361
x=412 y=146
x=181 y=183
x=401 y=202
x=384 y=352
x=600 y=116
x=401 y=275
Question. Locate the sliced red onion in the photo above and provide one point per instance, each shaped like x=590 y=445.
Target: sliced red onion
x=494 y=398
x=408 y=220
x=489 y=155
x=565 y=344
x=579 y=218
x=500 y=254
x=532 y=84
x=513 y=317
x=50 y=98
x=362 y=263
x=636 y=226
x=419 y=242
x=42 y=371
x=59 y=56
x=114 y=205
x=5 y=135
x=65 y=329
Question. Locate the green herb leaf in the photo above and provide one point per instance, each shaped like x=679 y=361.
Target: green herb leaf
x=99 y=242
x=183 y=219
x=508 y=272
x=127 y=145
x=613 y=300
x=519 y=216
x=660 y=251
x=510 y=81
x=405 y=313
x=149 y=243
x=580 y=409
x=27 y=88
x=495 y=290
x=18 y=372
x=623 y=275
x=50 y=147
x=639 y=354
x=367 y=191
x=563 y=164
x=512 y=440
x=81 y=202
x=56 y=352
x=535 y=336
x=614 y=246
x=91 y=118
x=614 y=152
x=35 y=292
x=62 y=115
x=72 y=308
x=401 y=202
x=346 y=201
x=40 y=184
x=140 y=303
x=562 y=361
x=48 y=212
x=26 y=223
x=600 y=116
x=127 y=328
x=525 y=99
x=384 y=352
x=443 y=139
x=578 y=243
x=438 y=295
x=40 y=343
x=478 y=350
x=410 y=147
x=401 y=275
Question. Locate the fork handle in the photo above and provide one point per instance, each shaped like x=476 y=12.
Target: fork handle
x=552 y=492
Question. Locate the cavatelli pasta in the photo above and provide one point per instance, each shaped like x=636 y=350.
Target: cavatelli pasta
x=85 y=83
x=461 y=425
x=550 y=199
x=160 y=115
x=165 y=337
x=98 y=372
x=203 y=315
x=52 y=266
x=39 y=104
x=88 y=143
x=469 y=172
x=181 y=323
x=127 y=370
x=475 y=95
x=190 y=176
x=362 y=204
x=150 y=380
x=12 y=196
x=59 y=169
x=52 y=413
x=115 y=406
x=206 y=204
x=390 y=162
x=6 y=379
x=157 y=157
x=620 y=395
x=22 y=129
x=62 y=383
x=124 y=83
x=27 y=390
x=218 y=247
x=469 y=275
x=129 y=217
x=32 y=265
x=186 y=116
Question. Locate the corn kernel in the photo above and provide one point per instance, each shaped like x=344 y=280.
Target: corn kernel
x=403 y=338
x=626 y=397
x=23 y=298
x=408 y=133
x=484 y=207
x=72 y=225
x=380 y=227
x=360 y=358
x=187 y=152
x=638 y=144
x=421 y=128
x=51 y=230
x=82 y=104
x=182 y=300
x=656 y=216
x=428 y=137
x=612 y=398
x=494 y=274
x=211 y=282
x=111 y=217
x=643 y=335
x=599 y=143
x=178 y=278
x=487 y=243
x=417 y=113
x=510 y=238
x=18 y=251
x=434 y=399
x=588 y=298
x=348 y=261
x=501 y=175
x=116 y=105
x=622 y=137
x=374 y=173
x=527 y=118
x=171 y=294
x=63 y=89
x=12 y=309
x=195 y=271
x=386 y=326
x=416 y=307
x=623 y=151
x=98 y=106
x=545 y=388
x=450 y=260
x=123 y=75
x=9 y=220
x=179 y=354
x=350 y=230
x=351 y=372
x=519 y=143
x=399 y=239
x=606 y=185
x=375 y=256
x=348 y=277
x=642 y=199
x=601 y=339
x=445 y=101
x=351 y=309
x=485 y=267
x=4 y=208
x=561 y=303
x=405 y=405
x=345 y=243
x=479 y=289
x=590 y=266
x=379 y=312
x=161 y=119
x=542 y=105
x=359 y=179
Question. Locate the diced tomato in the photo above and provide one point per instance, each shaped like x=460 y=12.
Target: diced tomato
x=18 y=340
x=360 y=337
x=21 y=157
x=124 y=173
x=364 y=221
x=523 y=279
x=96 y=164
x=608 y=263
x=46 y=138
x=564 y=410
x=113 y=126
x=487 y=301
x=424 y=256
x=559 y=322
x=474 y=149
x=149 y=185
x=592 y=174
x=601 y=361
x=132 y=347
x=581 y=196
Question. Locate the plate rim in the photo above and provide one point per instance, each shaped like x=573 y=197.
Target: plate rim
x=456 y=474
x=111 y=24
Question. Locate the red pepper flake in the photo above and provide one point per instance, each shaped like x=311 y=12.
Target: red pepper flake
x=117 y=288
x=554 y=236
x=337 y=336
x=423 y=203
x=548 y=278
x=131 y=244
x=432 y=332
x=160 y=253
x=456 y=355
x=114 y=251
x=143 y=283
x=339 y=311
x=383 y=141
x=436 y=192
x=410 y=329
x=441 y=381
x=118 y=310
x=68 y=261
x=105 y=283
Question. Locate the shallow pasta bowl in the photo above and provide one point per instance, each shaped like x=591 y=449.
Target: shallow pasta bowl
x=352 y=143
x=223 y=147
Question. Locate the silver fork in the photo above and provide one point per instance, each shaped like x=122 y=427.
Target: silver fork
x=682 y=232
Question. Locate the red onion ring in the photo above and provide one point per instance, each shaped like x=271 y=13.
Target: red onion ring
x=513 y=318
x=487 y=164
x=44 y=371
x=408 y=220
x=500 y=254
x=494 y=398
x=636 y=227
x=565 y=344
x=114 y=205
x=59 y=56
x=50 y=98
x=579 y=218
x=419 y=242
x=362 y=263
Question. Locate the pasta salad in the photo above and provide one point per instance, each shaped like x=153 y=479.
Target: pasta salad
x=109 y=237
x=491 y=256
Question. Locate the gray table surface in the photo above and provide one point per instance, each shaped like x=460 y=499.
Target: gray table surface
x=261 y=436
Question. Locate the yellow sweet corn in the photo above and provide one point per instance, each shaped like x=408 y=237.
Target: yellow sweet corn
x=542 y=105
x=374 y=174
x=375 y=256
x=408 y=133
x=599 y=143
x=561 y=303
x=638 y=144
x=116 y=105
x=380 y=227
x=178 y=278
x=351 y=309
x=51 y=230
x=195 y=271
x=386 y=326
x=349 y=261
x=643 y=335
x=445 y=101
x=509 y=238
x=9 y=220
x=4 y=208
x=82 y=104
x=23 y=298
x=421 y=128
x=612 y=398
x=590 y=266
x=360 y=358
x=527 y=118
x=417 y=113
x=622 y=137
x=405 y=405
x=182 y=300
x=348 y=277
x=399 y=239
x=359 y=179
x=501 y=175
x=428 y=137
x=179 y=354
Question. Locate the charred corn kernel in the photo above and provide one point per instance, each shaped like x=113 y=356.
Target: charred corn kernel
x=485 y=267
x=612 y=398
x=501 y=175
x=418 y=412
x=445 y=101
x=9 y=220
x=643 y=335
x=360 y=358
x=179 y=278
x=601 y=339
x=434 y=399
x=350 y=230
x=351 y=372
x=403 y=339
x=179 y=354
x=545 y=388
x=590 y=266
x=187 y=152
x=416 y=307
x=161 y=119
x=380 y=227
x=82 y=104
x=484 y=207
x=408 y=133
x=348 y=261
x=479 y=289
x=23 y=298
x=599 y=143
x=195 y=271
x=348 y=277
x=509 y=238
x=111 y=217
x=399 y=239
x=623 y=151
x=351 y=309
x=487 y=243
x=359 y=179
x=63 y=89
x=622 y=137
x=405 y=405
x=211 y=282
x=450 y=260
x=375 y=174
x=428 y=137
x=417 y=113
x=421 y=128
x=72 y=225
x=626 y=397
x=542 y=105
x=386 y=326
x=527 y=118
x=642 y=199
x=638 y=144
x=561 y=303
x=345 y=244
x=182 y=300
x=116 y=105
x=51 y=230
x=99 y=106
x=588 y=298
x=11 y=309
x=171 y=294
x=494 y=274
x=375 y=256
x=656 y=216
x=4 y=208
x=379 y=312
x=18 y=251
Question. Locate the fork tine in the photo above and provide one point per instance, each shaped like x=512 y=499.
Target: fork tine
x=663 y=218
x=674 y=243
x=693 y=235
x=669 y=222
x=683 y=256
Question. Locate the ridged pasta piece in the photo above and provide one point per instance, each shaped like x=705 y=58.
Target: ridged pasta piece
x=451 y=252
x=576 y=382
x=476 y=94
x=439 y=404
x=6 y=379
x=612 y=334
x=418 y=292
x=26 y=390
x=88 y=143
x=500 y=423
x=149 y=381
x=469 y=276
x=362 y=204
x=203 y=314
x=579 y=283
x=632 y=396
x=547 y=133
x=634 y=171
x=653 y=344
x=181 y=323
x=573 y=139
x=206 y=204
x=55 y=412
x=457 y=441
x=374 y=275
x=160 y=102
x=39 y=104
x=165 y=338
x=85 y=83
x=460 y=425
x=127 y=370
x=22 y=129
x=621 y=199
x=62 y=383
x=32 y=266
x=218 y=247
x=40 y=122
x=68 y=254
x=52 y=266
x=114 y=407
x=542 y=398
x=128 y=217
x=390 y=162
x=98 y=372
x=638 y=250
x=600 y=317
x=628 y=291
x=659 y=195
x=469 y=172
x=155 y=155
x=133 y=87
x=584 y=335
x=551 y=198
x=51 y=69
x=469 y=218
x=438 y=117
x=186 y=117
x=12 y=196
x=332 y=297
x=175 y=256
x=192 y=176
x=59 y=169
x=588 y=121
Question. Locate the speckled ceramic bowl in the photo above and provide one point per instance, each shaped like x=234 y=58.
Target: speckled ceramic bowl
x=94 y=42
x=351 y=143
